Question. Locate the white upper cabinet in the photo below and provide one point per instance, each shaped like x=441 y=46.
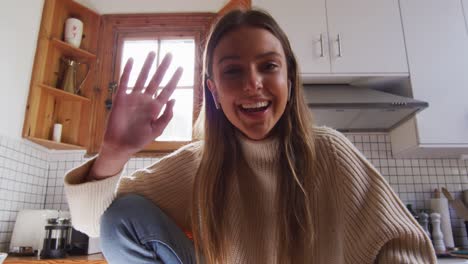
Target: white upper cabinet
x=437 y=45
x=366 y=36
x=305 y=24
x=369 y=32
x=465 y=6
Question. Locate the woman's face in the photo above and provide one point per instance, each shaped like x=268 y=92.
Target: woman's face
x=250 y=80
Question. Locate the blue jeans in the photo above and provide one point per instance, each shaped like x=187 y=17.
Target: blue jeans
x=135 y=230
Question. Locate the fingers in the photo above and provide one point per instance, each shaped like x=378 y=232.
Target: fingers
x=123 y=84
x=158 y=76
x=140 y=83
x=161 y=123
x=170 y=87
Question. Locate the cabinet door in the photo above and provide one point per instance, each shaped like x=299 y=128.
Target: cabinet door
x=371 y=36
x=465 y=7
x=437 y=45
x=304 y=21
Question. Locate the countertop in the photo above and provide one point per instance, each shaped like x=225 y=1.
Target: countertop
x=99 y=259
x=95 y=259
x=452 y=261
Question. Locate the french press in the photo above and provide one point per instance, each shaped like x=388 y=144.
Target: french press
x=57 y=238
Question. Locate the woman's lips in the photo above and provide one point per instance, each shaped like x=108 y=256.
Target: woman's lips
x=255 y=107
x=257 y=112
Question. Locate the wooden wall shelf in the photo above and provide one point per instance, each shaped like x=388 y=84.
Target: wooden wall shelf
x=48 y=105
x=64 y=95
x=70 y=51
x=55 y=145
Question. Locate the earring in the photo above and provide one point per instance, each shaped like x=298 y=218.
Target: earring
x=215 y=101
x=289 y=90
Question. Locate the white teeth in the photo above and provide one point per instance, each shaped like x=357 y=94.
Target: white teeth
x=255 y=105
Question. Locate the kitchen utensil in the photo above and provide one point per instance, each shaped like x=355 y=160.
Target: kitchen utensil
x=57 y=238
x=437 y=236
x=81 y=244
x=457 y=204
x=424 y=222
x=69 y=81
x=441 y=205
x=465 y=197
x=460 y=253
x=28 y=233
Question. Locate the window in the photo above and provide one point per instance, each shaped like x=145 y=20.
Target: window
x=183 y=50
x=134 y=36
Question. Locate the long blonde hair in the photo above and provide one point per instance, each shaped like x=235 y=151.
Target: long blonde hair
x=222 y=155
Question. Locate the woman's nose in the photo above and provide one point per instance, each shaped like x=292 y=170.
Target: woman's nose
x=254 y=81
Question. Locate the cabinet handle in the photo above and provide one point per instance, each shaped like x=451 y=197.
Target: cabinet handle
x=339 y=45
x=321 y=45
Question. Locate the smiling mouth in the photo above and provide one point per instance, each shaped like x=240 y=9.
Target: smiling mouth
x=255 y=107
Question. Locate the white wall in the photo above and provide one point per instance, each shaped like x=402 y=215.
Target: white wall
x=465 y=7
x=19 y=27
x=152 y=6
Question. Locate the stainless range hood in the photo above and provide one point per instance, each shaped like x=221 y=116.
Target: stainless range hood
x=350 y=108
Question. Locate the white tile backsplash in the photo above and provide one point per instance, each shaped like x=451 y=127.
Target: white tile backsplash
x=414 y=180
x=23 y=177
x=31 y=177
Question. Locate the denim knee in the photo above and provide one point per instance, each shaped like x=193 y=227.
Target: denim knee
x=135 y=230
x=122 y=210
x=120 y=235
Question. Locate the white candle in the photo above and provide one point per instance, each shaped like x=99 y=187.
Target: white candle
x=57 y=134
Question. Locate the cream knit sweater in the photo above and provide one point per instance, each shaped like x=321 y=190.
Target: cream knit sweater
x=357 y=217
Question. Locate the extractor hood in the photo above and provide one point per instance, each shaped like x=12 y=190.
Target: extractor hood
x=350 y=108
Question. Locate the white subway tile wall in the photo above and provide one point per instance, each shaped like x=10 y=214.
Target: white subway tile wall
x=412 y=179
x=23 y=182
x=59 y=163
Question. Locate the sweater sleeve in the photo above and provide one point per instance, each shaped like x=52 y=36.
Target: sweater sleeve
x=168 y=183
x=88 y=200
x=378 y=227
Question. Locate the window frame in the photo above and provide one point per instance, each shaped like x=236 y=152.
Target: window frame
x=114 y=29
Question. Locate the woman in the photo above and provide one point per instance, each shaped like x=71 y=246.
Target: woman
x=264 y=185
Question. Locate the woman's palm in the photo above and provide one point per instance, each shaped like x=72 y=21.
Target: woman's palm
x=135 y=118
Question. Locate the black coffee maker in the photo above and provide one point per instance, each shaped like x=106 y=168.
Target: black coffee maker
x=57 y=238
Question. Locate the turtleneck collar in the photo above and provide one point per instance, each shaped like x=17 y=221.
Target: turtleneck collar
x=259 y=152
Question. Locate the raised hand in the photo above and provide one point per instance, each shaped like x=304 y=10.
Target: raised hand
x=135 y=119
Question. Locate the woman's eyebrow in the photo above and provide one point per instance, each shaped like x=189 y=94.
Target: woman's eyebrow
x=229 y=57
x=266 y=54
x=259 y=56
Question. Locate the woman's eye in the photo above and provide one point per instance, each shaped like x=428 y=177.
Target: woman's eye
x=271 y=66
x=232 y=71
